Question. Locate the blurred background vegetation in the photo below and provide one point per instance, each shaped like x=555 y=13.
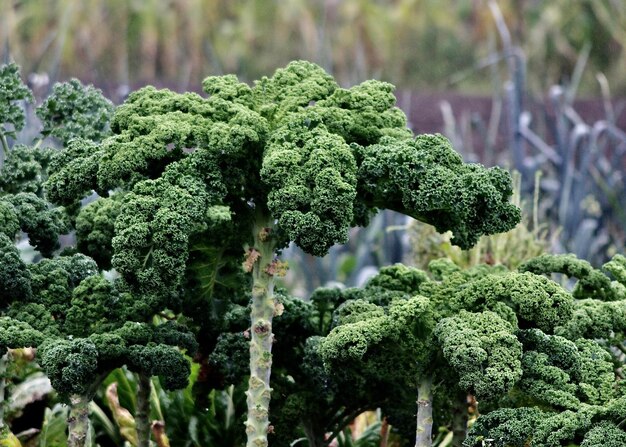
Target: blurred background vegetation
x=415 y=44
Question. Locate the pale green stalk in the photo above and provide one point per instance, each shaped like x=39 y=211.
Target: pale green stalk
x=78 y=420
x=142 y=414
x=5 y=149
x=261 y=336
x=423 y=432
x=3 y=368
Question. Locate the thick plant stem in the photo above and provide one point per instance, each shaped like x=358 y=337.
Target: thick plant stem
x=261 y=337
x=4 y=152
x=142 y=413
x=459 y=424
x=4 y=359
x=423 y=432
x=78 y=421
x=314 y=438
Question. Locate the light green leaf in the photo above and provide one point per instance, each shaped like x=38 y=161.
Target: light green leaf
x=54 y=427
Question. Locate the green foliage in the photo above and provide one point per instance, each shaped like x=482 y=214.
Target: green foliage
x=508 y=427
x=562 y=373
x=186 y=423
x=527 y=240
x=43 y=224
x=535 y=300
x=604 y=435
x=194 y=180
x=201 y=176
x=542 y=362
x=160 y=360
x=426 y=179
x=279 y=144
x=53 y=281
x=369 y=436
x=483 y=350
x=17 y=334
x=12 y=90
x=384 y=340
x=74 y=365
x=95 y=229
x=570 y=391
x=591 y=283
x=312 y=174
x=54 y=427
x=82 y=324
x=25 y=170
x=73 y=110
x=14 y=275
x=95 y=306
x=9 y=222
x=71 y=365
x=398 y=277
x=617 y=267
x=73 y=172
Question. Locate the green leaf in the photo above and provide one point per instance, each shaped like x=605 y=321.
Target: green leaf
x=54 y=427
x=12 y=90
x=123 y=418
x=125 y=387
x=101 y=418
x=8 y=439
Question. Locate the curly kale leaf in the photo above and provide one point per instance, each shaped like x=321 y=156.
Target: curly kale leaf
x=9 y=222
x=36 y=315
x=505 y=427
x=14 y=275
x=43 y=224
x=161 y=360
x=424 y=178
x=537 y=301
x=483 y=350
x=12 y=90
x=399 y=277
x=617 y=267
x=25 y=170
x=71 y=365
x=591 y=283
x=155 y=224
x=312 y=176
x=157 y=127
x=15 y=334
x=604 y=434
x=53 y=281
x=562 y=373
x=95 y=229
x=291 y=89
x=73 y=110
x=371 y=342
x=73 y=172
x=95 y=307
x=364 y=113
x=595 y=319
x=230 y=359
